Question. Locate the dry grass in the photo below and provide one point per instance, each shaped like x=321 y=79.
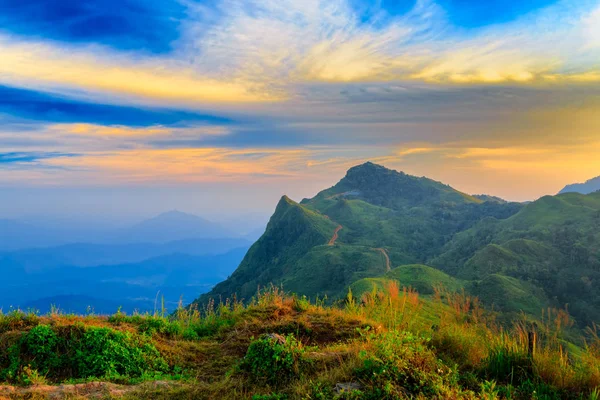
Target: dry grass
x=485 y=357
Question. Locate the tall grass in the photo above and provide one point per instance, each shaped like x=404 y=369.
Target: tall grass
x=448 y=333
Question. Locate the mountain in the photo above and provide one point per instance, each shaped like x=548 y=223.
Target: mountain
x=172 y=226
x=89 y=255
x=377 y=225
x=38 y=232
x=385 y=218
x=553 y=244
x=592 y=185
x=130 y=285
x=16 y=234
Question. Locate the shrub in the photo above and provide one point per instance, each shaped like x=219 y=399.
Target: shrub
x=275 y=359
x=105 y=352
x=399 y=364
x=40 y=345
x=78 y=352
x=152 y=325
x=190 y=334
x=36 y=353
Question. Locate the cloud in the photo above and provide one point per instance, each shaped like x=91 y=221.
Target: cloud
x=18 y=157
x=287 y=42
x=253 y=90
x=262 y=51
x=47 y=107
x=100 y=70
x=86 y=139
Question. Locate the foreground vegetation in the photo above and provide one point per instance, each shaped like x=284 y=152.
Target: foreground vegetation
x=390 y=344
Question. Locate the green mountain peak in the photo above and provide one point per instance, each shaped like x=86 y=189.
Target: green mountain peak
x=382 y=186
x=377 y=224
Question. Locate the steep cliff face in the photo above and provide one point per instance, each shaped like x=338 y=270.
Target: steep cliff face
x=292 y=231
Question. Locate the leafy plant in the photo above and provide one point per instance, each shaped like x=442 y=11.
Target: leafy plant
x=78 y=352
x=105 y=352
x=275 y=359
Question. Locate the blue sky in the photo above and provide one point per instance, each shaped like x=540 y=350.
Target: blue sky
x=284 y=95
x=124 y=24
x=461 y=13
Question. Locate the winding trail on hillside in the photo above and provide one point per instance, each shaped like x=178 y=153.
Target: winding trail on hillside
x=387 y=258
x=337 y=195
x=335 y=235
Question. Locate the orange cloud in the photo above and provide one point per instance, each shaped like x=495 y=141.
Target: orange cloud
x=96 y=69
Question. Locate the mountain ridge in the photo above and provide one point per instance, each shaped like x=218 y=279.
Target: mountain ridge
x=549 y=248
x=587 y=187
x=173 y=226
x=366 y=193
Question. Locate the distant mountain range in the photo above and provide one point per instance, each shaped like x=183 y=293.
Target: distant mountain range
x=89 y=255
x=174 y=254
x=172 y=226
x=130 y=285
x=591 y=186
x=378 y=225
x=167 y=227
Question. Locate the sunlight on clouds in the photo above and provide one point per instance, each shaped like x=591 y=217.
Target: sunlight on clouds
x=354 y=58
x=568 y=164
x=100 y=70
x=415 y=150
x=184 y=165
x=260 y=51
x=325 y=41
x=488 y=64
x=493 y=153
x=395 y=90
x=101 y=130
x=188 y=165
x=83 y=139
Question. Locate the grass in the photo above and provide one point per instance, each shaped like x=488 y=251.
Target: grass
x=390 y=344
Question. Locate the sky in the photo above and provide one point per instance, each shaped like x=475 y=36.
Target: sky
x=136 y=107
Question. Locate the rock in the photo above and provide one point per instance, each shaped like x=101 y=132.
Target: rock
x=347 y=387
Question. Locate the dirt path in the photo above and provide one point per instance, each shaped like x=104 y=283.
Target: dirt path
x=335 y=235
x=336 y=195
x=387 y=258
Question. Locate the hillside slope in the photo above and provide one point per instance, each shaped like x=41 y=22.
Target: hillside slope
x=552 y=243
x=291 y=233
x=534 y=256
x=373 y=220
